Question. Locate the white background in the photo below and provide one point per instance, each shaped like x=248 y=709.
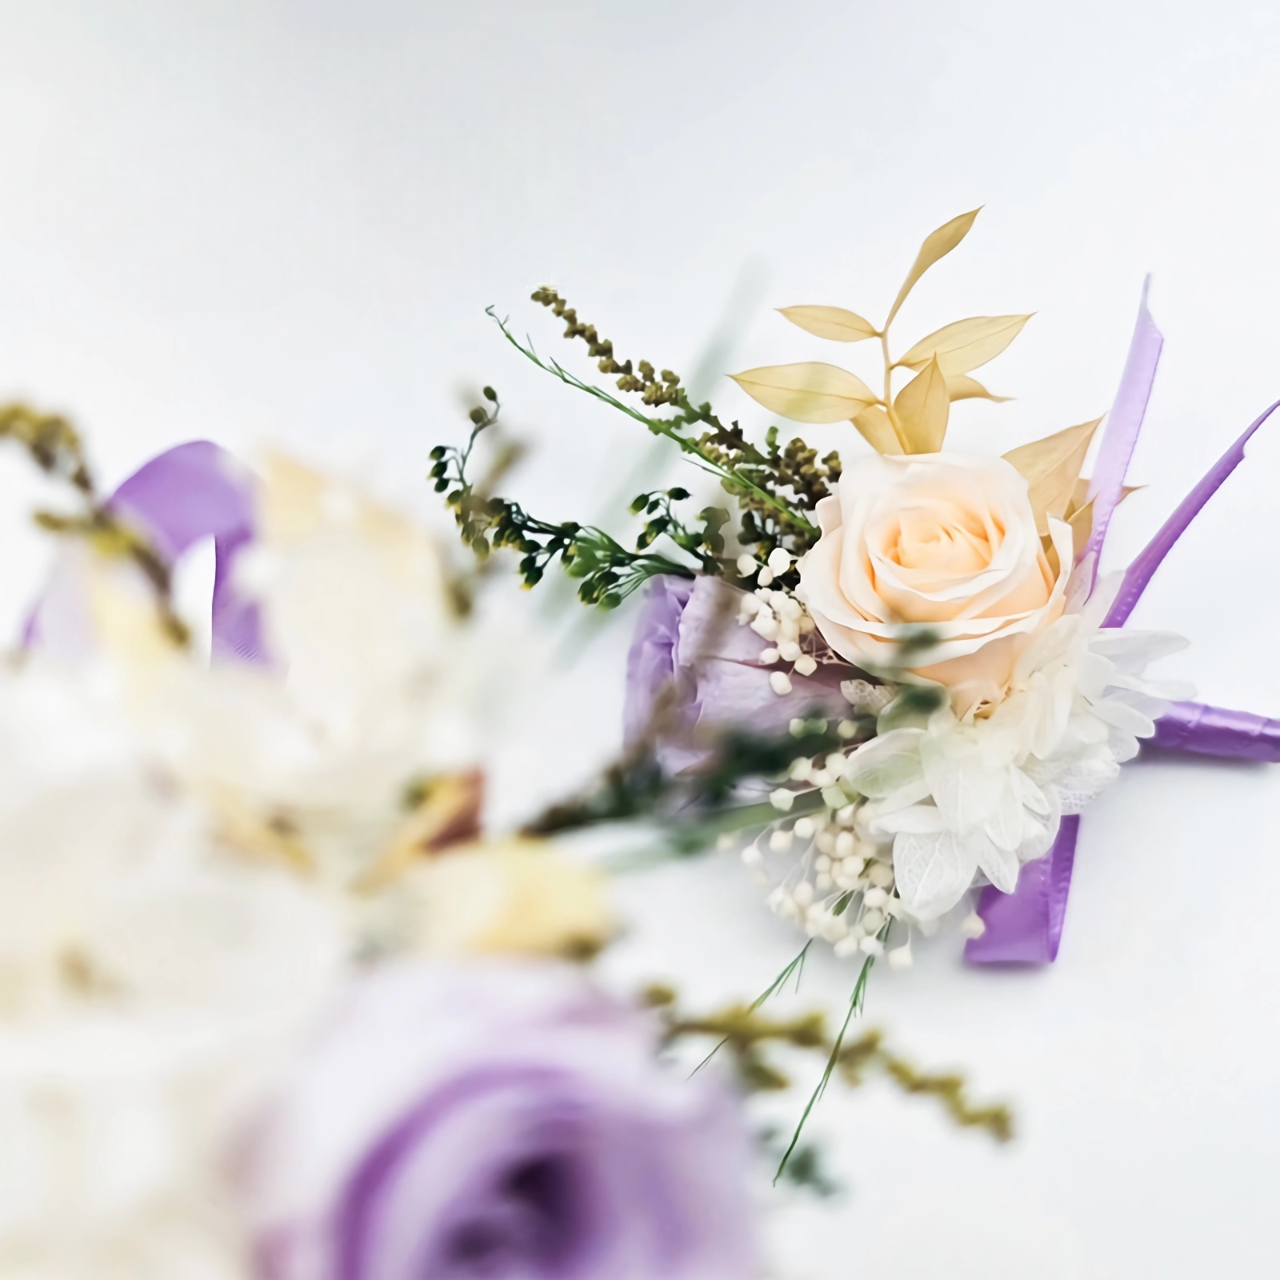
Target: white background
x=284 y=220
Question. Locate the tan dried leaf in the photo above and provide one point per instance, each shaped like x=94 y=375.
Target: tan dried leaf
x=810 y=392
x=1081 y=521
x=1079 y=513
x=1051 y=468
x=834 y=323
x=962 y=388
x=877 y=430
x=965 y=344
x=922 y=407
x=937 y=245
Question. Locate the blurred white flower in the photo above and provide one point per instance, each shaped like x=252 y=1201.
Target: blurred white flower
x=149 y=983
x=371 y=685
x=191 y=854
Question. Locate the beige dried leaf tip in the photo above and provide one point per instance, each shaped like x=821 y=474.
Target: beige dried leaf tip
x=937 y=244
x=965 y=344
x=966 y=388
x=833 y=323
x=1051 y=468
x=811 y=392
x=922 y=408
x=877 y=430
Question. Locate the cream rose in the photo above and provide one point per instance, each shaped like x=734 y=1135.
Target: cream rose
x=945 y=542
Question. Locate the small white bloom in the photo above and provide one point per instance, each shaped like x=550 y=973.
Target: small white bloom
x=779 y=561
x=880 y=874
x=780 y=683
x=765 y=625
x=782 y=799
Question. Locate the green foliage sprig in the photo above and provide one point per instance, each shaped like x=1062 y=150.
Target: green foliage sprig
x=761 y=481
x=608 y=571
x=774 y=487
x=635 y=786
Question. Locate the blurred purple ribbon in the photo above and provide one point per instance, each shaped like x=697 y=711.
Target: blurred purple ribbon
x=1025 y=927
x=186 y=494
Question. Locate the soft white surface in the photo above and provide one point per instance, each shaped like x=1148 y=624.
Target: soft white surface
x=286 y=219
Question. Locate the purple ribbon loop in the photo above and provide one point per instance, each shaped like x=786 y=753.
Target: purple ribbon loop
x=194 y=491
x=190 y=492
x=1025 y=927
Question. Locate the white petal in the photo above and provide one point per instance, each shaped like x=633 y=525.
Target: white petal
x=1133 y=650
x=1041 y=830
x=1005 y=827
x=918 y=819
x=1118 y=715
x=932 y=872
x=1030 y=795
x=886 y=763
x=1084 y=780
x=964 y=788
x=1000 y=866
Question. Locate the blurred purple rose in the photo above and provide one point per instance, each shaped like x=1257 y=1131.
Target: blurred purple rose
x=688 y=641
x=500 y=1121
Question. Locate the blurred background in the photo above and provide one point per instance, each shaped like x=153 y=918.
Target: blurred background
x=284 y=221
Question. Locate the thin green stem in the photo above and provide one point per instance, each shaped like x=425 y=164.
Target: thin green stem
x=796 y=966
x=856 y=1001
x=658 y=426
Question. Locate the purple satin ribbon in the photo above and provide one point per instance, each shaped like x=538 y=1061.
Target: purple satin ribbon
x=1214 y=731
x=1025 y=927
x=1124 y=425
x=1140 y=571
x=190 y=492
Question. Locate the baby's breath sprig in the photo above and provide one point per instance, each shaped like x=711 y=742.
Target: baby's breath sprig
x=54 y=445
x=608 y=571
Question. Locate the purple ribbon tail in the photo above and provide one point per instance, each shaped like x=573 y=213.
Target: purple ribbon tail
x=1201 y=730
x=1124 y=425
x=1025 y=926
x=190 y=492
x=1141 y=570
